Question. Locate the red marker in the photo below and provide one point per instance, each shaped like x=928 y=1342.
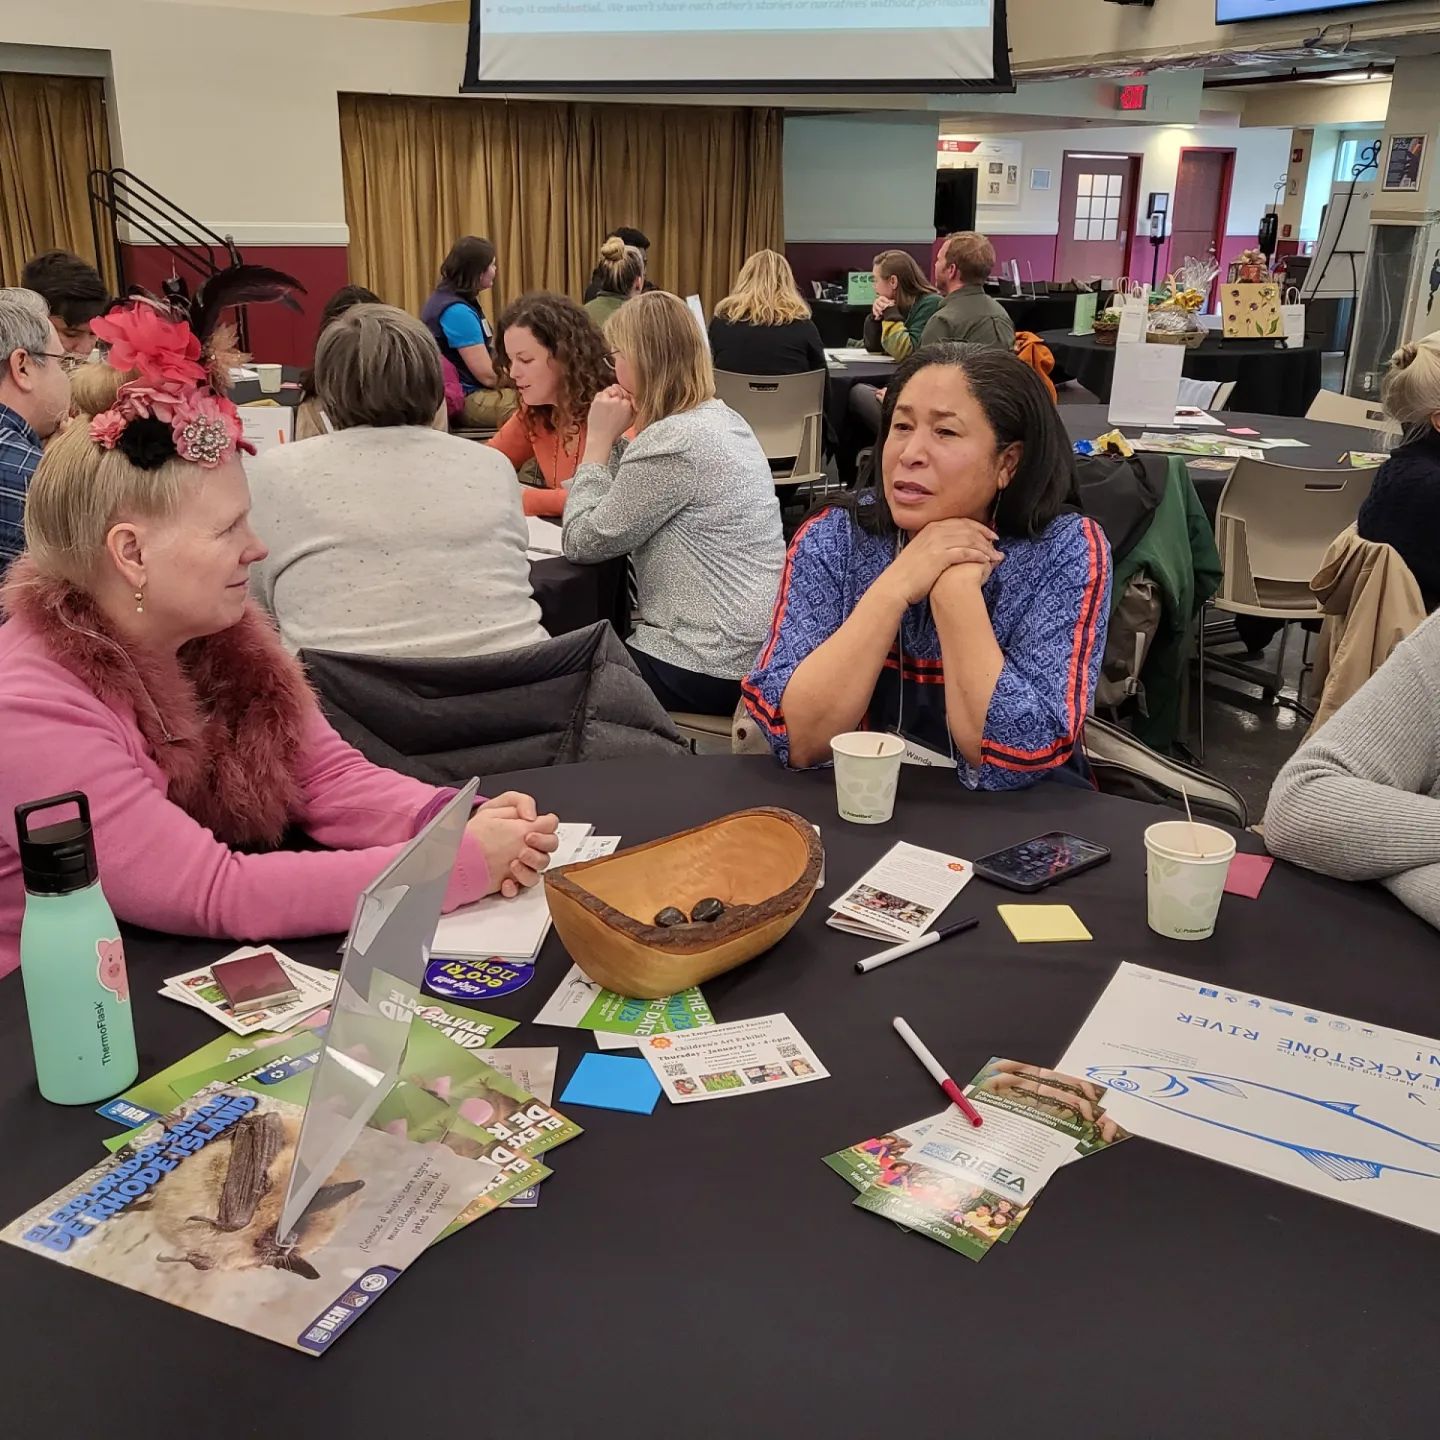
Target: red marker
x=937 y=1071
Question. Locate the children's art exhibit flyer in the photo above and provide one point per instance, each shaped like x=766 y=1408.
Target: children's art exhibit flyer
x=902 y=895
x=735 y=1059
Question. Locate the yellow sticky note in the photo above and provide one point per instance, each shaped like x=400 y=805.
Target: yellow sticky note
x=1043 y=922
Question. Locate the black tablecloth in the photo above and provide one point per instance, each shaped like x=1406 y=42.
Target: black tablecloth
x=1324 y=443
x=573 y=596
x=699 y=1273
x=1268 y=381
x=246 y=392
x=838 y=322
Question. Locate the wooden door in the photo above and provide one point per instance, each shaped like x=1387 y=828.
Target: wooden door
x=1202 y=198
x=1097 y=215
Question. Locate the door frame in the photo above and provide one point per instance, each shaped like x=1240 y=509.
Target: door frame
x=1222 y=210
x=1132 y=182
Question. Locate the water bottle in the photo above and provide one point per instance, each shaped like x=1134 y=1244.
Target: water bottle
x=72 y=962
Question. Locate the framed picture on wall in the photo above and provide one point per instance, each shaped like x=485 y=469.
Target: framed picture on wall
x=1000 y=164
x=1039 y=179
x=1402 y=165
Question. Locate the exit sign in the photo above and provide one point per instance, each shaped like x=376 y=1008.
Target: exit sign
x=1134 y=97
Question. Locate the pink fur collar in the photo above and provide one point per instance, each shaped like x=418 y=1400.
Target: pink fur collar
x=226 y=732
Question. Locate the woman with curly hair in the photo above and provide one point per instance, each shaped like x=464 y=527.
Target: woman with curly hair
x=550 y=350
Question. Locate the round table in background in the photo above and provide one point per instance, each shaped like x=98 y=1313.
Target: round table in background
x=1324 y=443
x=1269 y=379
x=573 y=596
x=699 y=1273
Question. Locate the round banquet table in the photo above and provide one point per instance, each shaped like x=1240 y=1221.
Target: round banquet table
x=700 y=1273
x=1324 y=443
x=1268 y=380
x=573 y=596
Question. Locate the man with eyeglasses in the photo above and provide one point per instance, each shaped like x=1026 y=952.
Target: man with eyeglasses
x=34 y=401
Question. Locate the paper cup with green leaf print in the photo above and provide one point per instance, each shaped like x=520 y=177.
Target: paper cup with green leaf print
x=1186 y=865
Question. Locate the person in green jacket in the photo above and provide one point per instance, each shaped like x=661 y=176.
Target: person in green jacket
x=967 y=313
x=904 y=301
x=621 y=272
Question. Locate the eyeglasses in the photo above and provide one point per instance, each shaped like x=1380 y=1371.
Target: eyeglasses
x=48 y=354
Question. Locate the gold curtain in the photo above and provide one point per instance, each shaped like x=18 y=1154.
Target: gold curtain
x=546 y=181
x=52 y=135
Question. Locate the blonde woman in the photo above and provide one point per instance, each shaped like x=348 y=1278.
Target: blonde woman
x=690 y=499
x=621 y=273
x=134 y=667
x=763 y=327
x=904 y=302
x=1403 y=507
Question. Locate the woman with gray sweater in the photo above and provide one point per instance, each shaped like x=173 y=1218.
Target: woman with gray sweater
x=386 y=536
x=691 y=499
x=1361 y=799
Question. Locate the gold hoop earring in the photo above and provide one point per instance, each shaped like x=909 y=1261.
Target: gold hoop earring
x=139 y=602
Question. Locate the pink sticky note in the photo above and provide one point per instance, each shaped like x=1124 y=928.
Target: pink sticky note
x=1241 y=430
x=1248 y=874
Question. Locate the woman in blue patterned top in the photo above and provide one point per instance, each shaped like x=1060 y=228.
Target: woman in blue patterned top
x=963 y=604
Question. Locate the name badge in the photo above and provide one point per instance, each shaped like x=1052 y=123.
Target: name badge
x=917 y=754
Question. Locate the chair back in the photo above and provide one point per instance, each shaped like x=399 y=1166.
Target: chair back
x=1199 y=393
x=1125 y=766
x=1347 y=410
x=1223 y=392
x=1273 y=527
x=786 y=412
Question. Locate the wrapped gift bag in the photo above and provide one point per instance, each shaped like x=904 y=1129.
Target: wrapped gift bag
x=1251 y=312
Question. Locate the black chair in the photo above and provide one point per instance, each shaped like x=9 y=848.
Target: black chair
x=574 y=698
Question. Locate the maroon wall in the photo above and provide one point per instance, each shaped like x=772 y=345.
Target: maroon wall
x=277 y=333
x=833 y=259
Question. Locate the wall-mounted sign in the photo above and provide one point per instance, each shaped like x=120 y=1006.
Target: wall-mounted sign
x=997 y=161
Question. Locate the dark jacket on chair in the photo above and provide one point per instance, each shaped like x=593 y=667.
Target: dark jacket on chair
x=576 y=697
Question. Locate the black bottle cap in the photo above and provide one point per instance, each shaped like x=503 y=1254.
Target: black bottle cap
x=57 y=859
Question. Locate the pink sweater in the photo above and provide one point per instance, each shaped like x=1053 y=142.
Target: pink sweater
x=161 y=869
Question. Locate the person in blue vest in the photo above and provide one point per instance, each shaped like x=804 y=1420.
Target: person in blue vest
x=453 y=316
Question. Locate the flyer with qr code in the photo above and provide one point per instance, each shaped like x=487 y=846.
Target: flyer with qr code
x=740 y=1058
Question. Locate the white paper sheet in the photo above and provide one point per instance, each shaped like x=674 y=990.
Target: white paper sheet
x=842 y=355
x=543 y=538
x=1146 y=384
x=266 y=426
x=514 y=929
x=1323 y=1102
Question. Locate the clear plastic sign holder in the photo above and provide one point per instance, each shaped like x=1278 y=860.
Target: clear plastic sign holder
x=365 y=1042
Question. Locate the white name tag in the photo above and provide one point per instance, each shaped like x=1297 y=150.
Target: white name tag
x=917 y=754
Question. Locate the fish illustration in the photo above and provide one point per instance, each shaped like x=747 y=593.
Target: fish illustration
x=1340 y=1141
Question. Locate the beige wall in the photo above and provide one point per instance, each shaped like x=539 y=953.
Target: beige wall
x=1051 y=34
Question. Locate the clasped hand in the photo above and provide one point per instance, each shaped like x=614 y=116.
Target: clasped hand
x=612 y=412
x=517 y=843
x=880 y=307
x=940 y=546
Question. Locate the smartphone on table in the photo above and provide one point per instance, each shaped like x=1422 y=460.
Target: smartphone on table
x=1034 y=864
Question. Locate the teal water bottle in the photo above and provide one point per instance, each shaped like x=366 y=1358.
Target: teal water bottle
x=72 y=962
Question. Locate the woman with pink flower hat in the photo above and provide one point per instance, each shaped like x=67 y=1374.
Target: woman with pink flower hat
x=134 y=667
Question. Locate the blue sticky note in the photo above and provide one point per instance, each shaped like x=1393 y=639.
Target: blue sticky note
x=613 y=1082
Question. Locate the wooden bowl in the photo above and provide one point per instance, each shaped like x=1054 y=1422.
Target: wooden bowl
x=763 y=863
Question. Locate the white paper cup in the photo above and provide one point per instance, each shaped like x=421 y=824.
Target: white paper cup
x=270 y=378
x=867 y=770
x=1184 y=888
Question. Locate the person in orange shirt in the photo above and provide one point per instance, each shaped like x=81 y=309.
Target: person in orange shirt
x=550 y=350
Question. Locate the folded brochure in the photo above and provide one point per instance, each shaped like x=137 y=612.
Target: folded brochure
x=967 y=1187
x=903 y=895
